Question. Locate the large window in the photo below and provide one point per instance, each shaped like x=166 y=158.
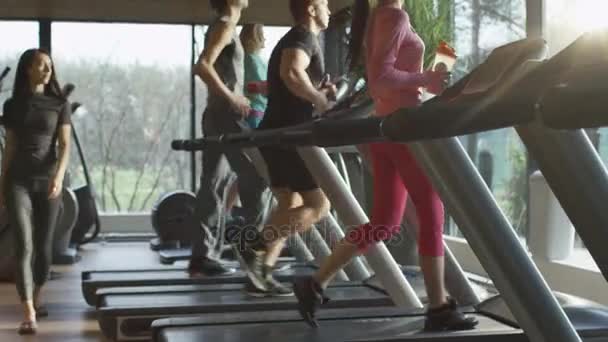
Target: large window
x=133 y=81
x=566 y=21
x=23 y=35
x=479 y=27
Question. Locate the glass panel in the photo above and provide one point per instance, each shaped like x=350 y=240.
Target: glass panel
x=566 y=21
x=23 y=35
x=133 y=81
x=479 y=27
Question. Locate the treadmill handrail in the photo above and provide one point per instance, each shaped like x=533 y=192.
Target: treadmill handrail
x=451 y=114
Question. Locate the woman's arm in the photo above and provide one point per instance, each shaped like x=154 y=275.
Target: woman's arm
x=63 y=145
x=219 y=38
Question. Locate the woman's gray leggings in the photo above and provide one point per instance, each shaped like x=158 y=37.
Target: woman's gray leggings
x=32 y=216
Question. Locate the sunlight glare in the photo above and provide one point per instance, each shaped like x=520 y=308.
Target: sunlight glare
x=591 y=14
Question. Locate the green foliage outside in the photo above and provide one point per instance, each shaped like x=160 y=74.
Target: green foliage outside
x=513 y=197
x=433 y=20
x=132 y=112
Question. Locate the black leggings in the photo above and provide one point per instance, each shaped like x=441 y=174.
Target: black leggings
x=32 y=216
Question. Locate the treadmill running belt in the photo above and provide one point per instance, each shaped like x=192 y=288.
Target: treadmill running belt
x=333 y=330
x=94 y=280
x=351 y=325
x=209 y=300
x=126 y=316
x=371 y=324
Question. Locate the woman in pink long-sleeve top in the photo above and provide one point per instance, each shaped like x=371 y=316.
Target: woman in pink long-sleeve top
x=394 y=64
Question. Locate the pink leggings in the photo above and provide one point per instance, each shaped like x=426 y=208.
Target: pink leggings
x=395 y=174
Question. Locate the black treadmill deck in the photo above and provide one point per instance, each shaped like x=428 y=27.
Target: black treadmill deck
x=126 y=315
x=334 y=325
x=344 y=325
x=94 y=280
x=330 y=331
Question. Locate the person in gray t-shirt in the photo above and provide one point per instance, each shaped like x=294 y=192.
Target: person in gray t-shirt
x=37 y=123
x=221 y=67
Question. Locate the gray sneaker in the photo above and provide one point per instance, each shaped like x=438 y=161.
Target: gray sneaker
x=276 y=289
x=252 y=263
x=310 y=298
x=254 y=291
x=273 y=288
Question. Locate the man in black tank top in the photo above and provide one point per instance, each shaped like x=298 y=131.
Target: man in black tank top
x=285 y=108
x=221 y=67
x=295 y=91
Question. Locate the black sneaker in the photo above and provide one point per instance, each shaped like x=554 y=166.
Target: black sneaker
x=310 y=298
x=252 y=263
x=41 y=311
x=448 y=318
x=208 y=267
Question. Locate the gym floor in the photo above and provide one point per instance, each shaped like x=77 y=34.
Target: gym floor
x=70 y=318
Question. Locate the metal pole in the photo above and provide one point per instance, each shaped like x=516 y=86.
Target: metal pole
x=579 y=180
x=535 y=18
x=193 y=177
x=298 y=249
x=494 y=241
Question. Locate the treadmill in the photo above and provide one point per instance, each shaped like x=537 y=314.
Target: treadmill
x=496 y=324
x=127 y=313
x=490 y=97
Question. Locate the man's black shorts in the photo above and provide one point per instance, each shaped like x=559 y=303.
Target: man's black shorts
x=287 y=170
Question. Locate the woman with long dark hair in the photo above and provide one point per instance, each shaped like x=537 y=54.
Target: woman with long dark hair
x=394 y=67
x=37 y=123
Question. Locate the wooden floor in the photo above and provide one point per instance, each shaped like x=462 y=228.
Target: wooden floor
x=70 y=318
